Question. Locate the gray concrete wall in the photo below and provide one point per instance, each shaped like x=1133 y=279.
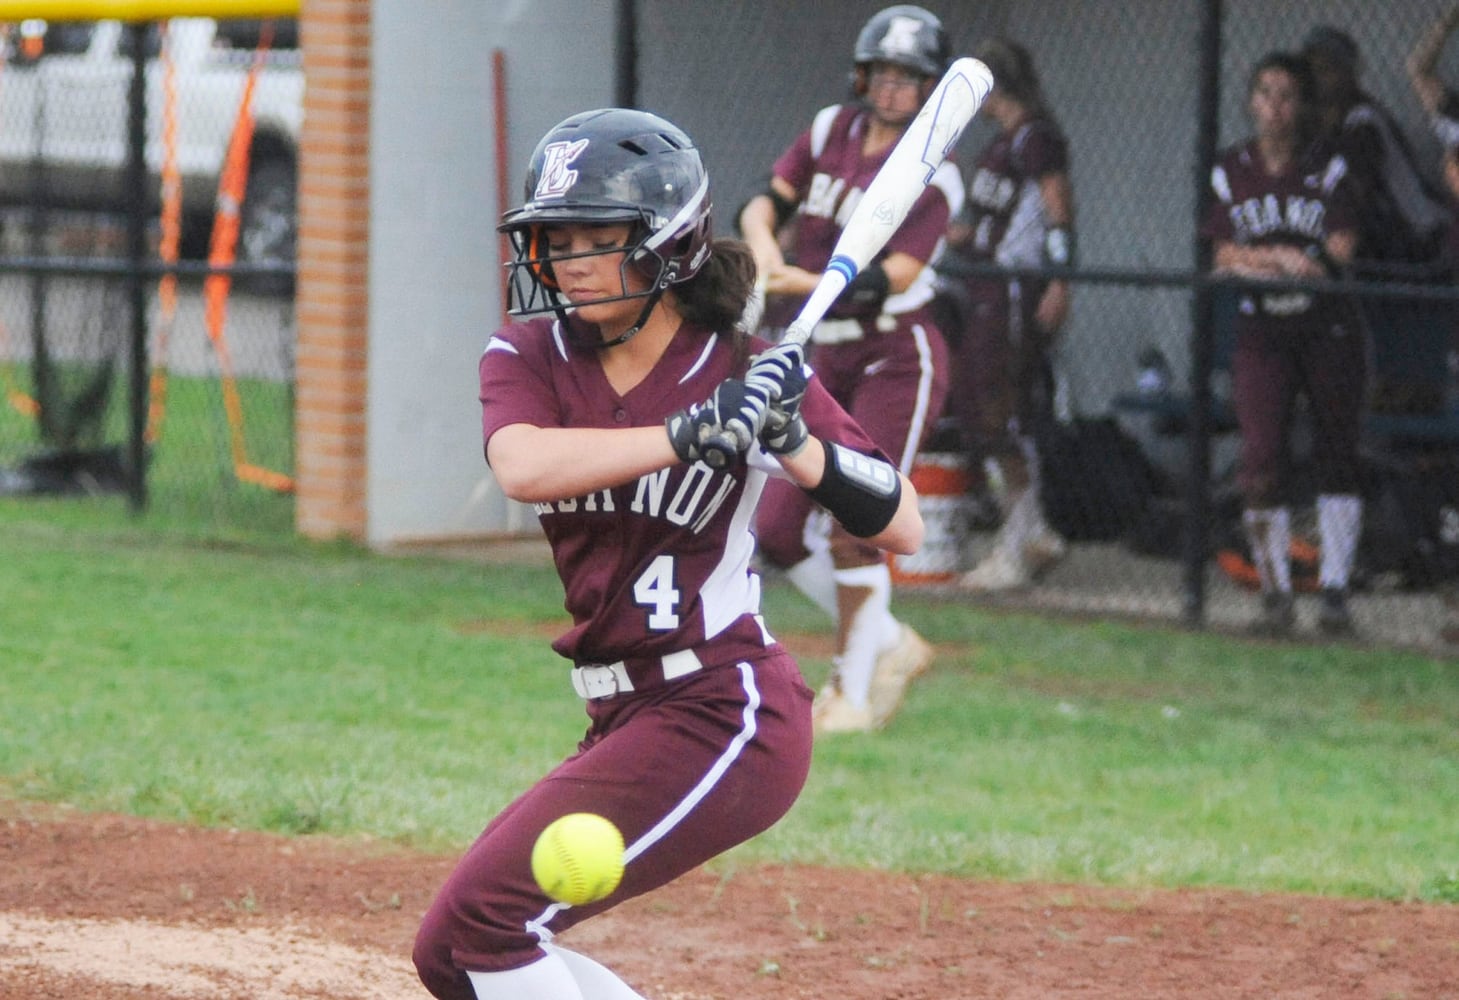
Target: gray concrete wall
x=434 y=268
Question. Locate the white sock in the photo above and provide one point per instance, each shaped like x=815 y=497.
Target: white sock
x=1279 y=547
x=1038 y=527
x=1019 y=524
x=812 y=576
x=888 y=630
x=1032 y=467
x=1339 y=523
x=548 y=978
x=560 y=975
x=857 y=659
x=596 y=981
x=1269 y=533
x=993 y=473
x=1255 y=524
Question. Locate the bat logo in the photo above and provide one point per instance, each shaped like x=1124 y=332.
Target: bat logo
x=957 y=91
x=557 y=178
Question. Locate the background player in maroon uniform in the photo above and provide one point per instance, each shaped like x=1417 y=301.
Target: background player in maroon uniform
x=1401 y=219
x=1019 y=213
x=1284 y=209
x=879 y=352
x=699 y=734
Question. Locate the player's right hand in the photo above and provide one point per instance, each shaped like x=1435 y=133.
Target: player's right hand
x=721 y=429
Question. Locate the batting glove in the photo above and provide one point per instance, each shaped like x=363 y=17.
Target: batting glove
x=721 y=429
x=771 y=370
x=785 y=432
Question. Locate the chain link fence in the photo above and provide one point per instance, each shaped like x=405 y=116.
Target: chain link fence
x=1140 y=476
x=147 y=234
x=1141 y=465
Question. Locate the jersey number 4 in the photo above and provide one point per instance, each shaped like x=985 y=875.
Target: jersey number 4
x=657 y=591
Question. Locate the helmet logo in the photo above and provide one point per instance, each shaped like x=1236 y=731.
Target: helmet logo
x=557 y=178
x=901 y=37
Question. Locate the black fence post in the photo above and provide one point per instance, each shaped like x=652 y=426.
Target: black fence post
x=39 y=223
x=625 y=54
x=137 y=258
x=1198 y=498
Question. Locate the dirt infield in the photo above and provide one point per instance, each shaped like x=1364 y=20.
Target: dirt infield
x=115 y=908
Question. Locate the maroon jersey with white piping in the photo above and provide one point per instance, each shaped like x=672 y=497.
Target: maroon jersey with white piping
x=660 y=564
x=826 y=167
x=1005 y=207
x=1300 y=207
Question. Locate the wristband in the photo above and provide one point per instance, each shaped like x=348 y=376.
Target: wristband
x=1059 y=246
x=865 y=294
x=860 y=491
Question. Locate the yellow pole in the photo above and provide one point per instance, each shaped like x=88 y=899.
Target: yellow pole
x=142 y=10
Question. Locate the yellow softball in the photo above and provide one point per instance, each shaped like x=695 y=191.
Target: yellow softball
x=578 y=859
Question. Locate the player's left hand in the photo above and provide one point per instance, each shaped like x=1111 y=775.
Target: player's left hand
x=723 y=427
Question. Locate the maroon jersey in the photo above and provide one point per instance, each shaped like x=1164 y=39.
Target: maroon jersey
x=826 y=167
x=1399 y=215
x=1300 y=207
x=661 y=564
x=1005 y=209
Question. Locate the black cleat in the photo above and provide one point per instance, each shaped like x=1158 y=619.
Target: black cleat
x=1277 y=615
x=1333 y=616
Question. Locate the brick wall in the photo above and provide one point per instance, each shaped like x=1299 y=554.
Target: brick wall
x=332 y=303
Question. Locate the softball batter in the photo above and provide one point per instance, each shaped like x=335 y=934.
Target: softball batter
x=699 y=731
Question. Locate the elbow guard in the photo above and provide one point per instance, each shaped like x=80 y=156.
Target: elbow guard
x=1059 y=246
x=860 y=491
x=784 y=207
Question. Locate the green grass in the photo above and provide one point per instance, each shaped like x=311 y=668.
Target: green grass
x=266 y=682
x=192 y=484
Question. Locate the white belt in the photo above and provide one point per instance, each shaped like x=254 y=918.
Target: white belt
x=1285 y=303
x=593 y=681
x=837 y=331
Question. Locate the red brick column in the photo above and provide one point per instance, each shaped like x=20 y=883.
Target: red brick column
x=332 y=301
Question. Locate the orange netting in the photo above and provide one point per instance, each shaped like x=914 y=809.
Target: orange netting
x=222 y=253
x=20 y=400
x=170 y=247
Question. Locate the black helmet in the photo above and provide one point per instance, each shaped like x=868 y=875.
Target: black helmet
x=612 y=165
x=1013 y=71
x=904 y=35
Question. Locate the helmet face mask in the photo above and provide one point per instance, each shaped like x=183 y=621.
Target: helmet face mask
x=611 y=167
x=533 y=278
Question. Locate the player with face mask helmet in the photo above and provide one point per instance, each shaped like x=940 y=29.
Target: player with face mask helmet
x=626 y=358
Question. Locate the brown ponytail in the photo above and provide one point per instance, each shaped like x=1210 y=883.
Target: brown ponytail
x=715 y=297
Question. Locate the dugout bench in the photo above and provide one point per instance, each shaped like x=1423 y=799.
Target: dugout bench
x=1411 y=404
x=1411 y=431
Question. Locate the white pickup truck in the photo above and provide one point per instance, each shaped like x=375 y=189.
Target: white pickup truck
x=64 y=121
